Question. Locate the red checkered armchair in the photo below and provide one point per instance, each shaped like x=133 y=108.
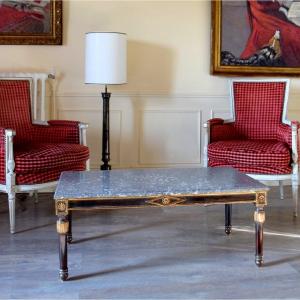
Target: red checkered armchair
x=258 y=140
x=32 y=156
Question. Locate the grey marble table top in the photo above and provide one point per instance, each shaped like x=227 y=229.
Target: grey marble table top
x=154 y=182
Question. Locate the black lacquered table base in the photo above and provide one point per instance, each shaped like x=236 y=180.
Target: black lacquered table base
x=64 y=223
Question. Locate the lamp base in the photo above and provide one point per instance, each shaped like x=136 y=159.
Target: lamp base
x=105 y=167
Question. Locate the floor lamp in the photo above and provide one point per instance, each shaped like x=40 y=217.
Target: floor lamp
x=106 y=63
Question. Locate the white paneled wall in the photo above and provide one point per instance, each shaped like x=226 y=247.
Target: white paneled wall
x=169 y=137
x=145 y=130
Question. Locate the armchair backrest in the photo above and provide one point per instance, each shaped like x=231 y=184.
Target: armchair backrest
x=259 y=107
x=15 y=104
x=22 y=100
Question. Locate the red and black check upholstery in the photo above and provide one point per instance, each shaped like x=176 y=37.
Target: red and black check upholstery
x=41 y=152
x=257 y=141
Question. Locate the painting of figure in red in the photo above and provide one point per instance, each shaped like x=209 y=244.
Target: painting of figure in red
x=25 y=16
x=261 y=33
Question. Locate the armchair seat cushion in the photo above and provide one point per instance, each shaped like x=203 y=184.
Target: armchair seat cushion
x=251 y=156
x=32 y=158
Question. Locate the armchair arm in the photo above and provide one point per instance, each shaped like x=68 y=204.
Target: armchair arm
x=219 y=130
x=215 y=121
x=80 y=129
x=289 y=134
x=57 y=131
x=216 y=129
x=284 y=134
x=66 y=123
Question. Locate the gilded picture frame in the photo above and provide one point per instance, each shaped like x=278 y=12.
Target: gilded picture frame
x=31 y=22
x=233 y=30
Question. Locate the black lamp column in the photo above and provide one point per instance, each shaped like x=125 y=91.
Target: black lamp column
x=105 y=132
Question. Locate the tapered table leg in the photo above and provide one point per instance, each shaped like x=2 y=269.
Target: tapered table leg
x=259 y=218
x=228 y=213
x=69 y=235
x=62 y=229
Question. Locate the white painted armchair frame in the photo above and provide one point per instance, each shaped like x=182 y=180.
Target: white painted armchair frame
x=294 y=176
x=10 y=187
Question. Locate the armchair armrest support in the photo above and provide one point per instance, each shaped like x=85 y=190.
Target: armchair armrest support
x=10 y=175
x=7 y=164
x=207 y=132
x=82 y=137
x=206 y=127
x=295 y=142
x=82 y=131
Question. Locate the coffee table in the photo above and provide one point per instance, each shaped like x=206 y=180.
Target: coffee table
x=165 y=187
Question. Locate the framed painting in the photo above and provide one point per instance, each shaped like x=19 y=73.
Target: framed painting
x=31 y=22
x=256 y=37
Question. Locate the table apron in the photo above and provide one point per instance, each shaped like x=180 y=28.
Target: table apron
x=65 y=205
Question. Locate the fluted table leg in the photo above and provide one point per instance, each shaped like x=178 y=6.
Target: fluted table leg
x=62 y=230
x=259 y=218
x=228 y=213
x=69 y=235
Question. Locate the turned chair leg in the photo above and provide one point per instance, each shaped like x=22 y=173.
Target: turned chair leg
x=12 y=211
x=36 y=197
x=295 y=194
x=281 y=189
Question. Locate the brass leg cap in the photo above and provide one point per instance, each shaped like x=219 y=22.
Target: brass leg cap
x=227 y=230
x=69 y=239
x=259 y=261
x=63 y=275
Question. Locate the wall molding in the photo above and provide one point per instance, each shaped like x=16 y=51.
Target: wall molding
x=138 y=94
x=150 y=94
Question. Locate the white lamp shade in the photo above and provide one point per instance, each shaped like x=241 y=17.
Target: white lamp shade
x=106 y=58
